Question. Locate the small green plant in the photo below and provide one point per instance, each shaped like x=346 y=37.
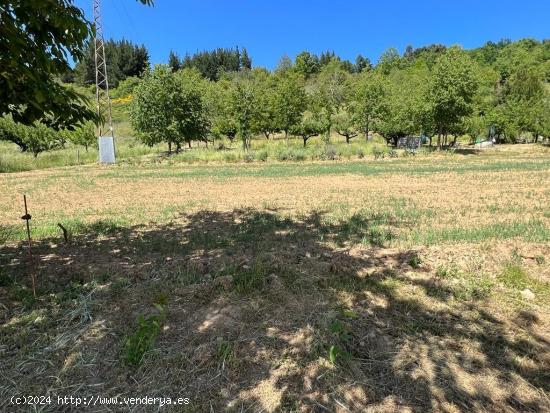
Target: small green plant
x=514 y=276
x=349 y=314
x=226 y=354
x=415 y=260
x=377 y=235
x=333 y=354
x=142 y=340
x=393 y=154
x=341 y=335
x=539 y=259
x=250 y=279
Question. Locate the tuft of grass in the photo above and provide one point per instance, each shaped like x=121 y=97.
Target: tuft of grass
x=472 y=288
x=514 y=276
x=251 y=279
x=465 y=286
x=226 y=354
x=415 y=260
x=187 y=276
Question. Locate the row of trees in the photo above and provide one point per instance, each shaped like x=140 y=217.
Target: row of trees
x=124 y=59
x=435 y=91
x=211 y=64
x=37 y=138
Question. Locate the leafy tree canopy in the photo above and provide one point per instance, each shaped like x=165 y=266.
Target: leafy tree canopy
x=37 y=39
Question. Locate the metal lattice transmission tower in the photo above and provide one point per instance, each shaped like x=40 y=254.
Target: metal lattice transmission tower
x=103 y=101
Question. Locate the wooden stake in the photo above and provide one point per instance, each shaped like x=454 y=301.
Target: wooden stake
x=27 y=217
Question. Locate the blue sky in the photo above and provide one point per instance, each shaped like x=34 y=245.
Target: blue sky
x=271 y=28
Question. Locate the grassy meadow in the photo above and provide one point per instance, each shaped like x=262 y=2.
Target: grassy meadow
x=398 y=284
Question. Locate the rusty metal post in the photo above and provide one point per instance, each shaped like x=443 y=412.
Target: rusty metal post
x=27 y=217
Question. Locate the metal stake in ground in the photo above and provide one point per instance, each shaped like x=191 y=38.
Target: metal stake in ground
x=27 y=217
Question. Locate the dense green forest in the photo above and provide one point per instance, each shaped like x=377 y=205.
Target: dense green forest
x=124 y=59
x=499 y=91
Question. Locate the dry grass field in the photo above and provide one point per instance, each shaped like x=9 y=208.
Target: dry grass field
x=413 y=284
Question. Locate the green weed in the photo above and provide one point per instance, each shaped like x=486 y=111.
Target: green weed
x=415 y=260
x=514 y=276
x=143 y=339
x=226 y=354
x=251 y=279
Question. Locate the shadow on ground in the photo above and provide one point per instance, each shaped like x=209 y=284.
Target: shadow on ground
x=263 y=313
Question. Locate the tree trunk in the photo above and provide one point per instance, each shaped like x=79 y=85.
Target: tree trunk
x=305 y=141
x=169 y=147
x=266 y=134
x=347 y=139
x=431 y=137
x=367 y=132
x=286 y=136
x=178 y=147
x=189 y=142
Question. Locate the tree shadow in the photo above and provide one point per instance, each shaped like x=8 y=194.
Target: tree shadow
x=264 y=313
